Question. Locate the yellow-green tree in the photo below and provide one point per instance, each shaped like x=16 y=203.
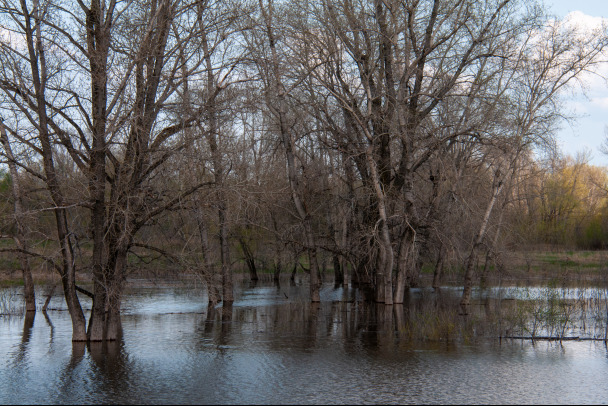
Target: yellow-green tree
x=571 y=204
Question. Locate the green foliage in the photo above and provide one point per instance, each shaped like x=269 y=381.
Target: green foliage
x=570 y=206
x=5 y=184
x=594 y=235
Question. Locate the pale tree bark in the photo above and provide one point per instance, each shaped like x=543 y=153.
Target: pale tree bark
x=384 y=278
x=477 y=242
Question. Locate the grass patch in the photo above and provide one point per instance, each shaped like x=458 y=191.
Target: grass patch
x=428 y=269
x=8 y=264
x=10 y=283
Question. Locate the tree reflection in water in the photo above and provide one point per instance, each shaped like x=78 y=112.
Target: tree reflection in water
x=273 y=345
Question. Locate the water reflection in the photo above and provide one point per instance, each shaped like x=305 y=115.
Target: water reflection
x=272 y=346
x=21 y=351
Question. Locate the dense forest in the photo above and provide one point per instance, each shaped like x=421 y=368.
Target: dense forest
x=366 y=137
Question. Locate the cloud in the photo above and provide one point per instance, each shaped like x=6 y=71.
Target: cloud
x=595 y=84
x=585 y=22
x=601 y=102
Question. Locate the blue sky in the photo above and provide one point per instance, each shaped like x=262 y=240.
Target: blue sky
x=588 y=132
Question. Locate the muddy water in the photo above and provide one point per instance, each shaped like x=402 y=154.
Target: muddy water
x=274 y=347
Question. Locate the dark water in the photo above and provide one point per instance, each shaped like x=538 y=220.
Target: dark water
x=274 y=347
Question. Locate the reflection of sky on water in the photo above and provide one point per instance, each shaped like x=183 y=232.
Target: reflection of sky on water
x=527 y=292
x=273 y=349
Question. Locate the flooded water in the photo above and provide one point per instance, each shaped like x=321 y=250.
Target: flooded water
x=274 y=347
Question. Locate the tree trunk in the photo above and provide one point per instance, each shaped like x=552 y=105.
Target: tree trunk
x=292 y=278
x=209 y=273
x=249 y=260
x=277 y=269
x=472 y=258
x=117 y=269
x=402 y=268
x=338 y=272
x=278 y=263
x=97 y=320
x=384 y=279
x=213 y=135
x=227 y=290
x=438 y=269
x=98 y=40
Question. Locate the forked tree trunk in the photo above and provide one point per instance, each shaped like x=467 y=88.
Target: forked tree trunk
x=384 y=275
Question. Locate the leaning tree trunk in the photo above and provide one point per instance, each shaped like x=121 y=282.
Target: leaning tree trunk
x=20 y=236
x=477 y=242
x=249 y=260
x=67 y=270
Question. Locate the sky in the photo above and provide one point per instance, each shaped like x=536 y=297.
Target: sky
x=587 y=133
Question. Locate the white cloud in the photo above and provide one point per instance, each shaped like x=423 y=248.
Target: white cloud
x=584 y=21
x=595 y=84
x=601 y=102
x=591 y=108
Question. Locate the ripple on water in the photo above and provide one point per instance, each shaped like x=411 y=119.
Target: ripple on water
x=273 y=347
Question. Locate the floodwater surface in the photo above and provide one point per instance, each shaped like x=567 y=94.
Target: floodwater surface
x=272 y=347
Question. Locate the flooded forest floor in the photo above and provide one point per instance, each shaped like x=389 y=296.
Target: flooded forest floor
x=549 y=295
